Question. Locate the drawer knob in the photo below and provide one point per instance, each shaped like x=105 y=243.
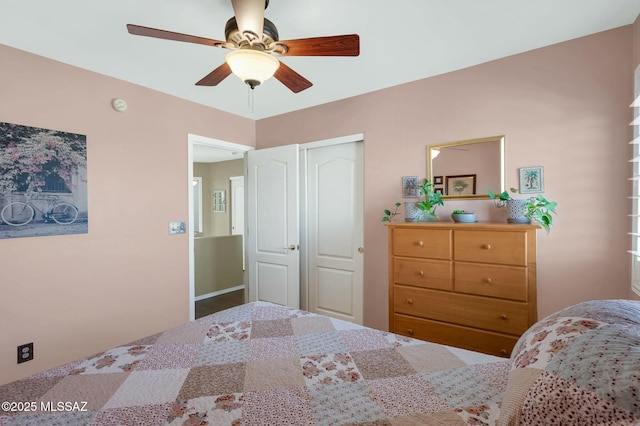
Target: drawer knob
x=504 y=317
x=420 y=243
x=421 y=273
x=410 y=301
x=487 y=280
x=503 y=352
x=410 y=331
x=486 y=246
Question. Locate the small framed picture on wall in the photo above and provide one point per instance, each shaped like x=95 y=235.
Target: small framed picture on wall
x=219 y=201
x=438 y=180
x=410 y=187
x=460 y=185
x=531 y=180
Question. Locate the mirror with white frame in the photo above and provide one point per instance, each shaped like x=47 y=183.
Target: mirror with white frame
x=467 y=169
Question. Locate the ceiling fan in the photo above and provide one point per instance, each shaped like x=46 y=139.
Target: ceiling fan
x=255 y=45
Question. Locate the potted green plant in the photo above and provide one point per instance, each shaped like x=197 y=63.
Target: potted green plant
x=463 y=216
x=537 y=209
x=422 y=210
x=429 y=202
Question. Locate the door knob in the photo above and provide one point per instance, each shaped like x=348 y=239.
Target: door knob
x=360 y=249
x=291 y=247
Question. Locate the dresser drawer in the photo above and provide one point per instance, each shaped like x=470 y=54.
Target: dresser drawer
x=426 y=273
x=507 y=282
x=505 y=316
x=426 y=243
x=455 y=335
x=509 y=248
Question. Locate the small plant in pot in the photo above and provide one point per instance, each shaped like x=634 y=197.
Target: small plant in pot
x=463 y=216
x=429 y=202
x=422 y=210
x=537 y=209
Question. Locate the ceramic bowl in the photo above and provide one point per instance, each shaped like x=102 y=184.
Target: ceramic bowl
x=466 y=217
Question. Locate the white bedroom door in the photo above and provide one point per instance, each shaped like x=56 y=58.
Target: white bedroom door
x=273 y=251
x=335 y=176
x=237 y=205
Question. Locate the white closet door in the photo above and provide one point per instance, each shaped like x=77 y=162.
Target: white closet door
x=335 y=230
x=273 y=255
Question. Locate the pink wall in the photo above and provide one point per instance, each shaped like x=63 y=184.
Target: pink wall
x=564 y=107
x=76 y=295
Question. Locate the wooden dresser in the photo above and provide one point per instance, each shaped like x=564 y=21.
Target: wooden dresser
x=470 y=285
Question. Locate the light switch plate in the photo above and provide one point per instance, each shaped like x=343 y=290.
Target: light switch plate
x=177 y=228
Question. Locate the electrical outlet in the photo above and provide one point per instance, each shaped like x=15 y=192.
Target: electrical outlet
x=25 y=352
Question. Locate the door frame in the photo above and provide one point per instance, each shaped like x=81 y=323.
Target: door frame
x=213 y=143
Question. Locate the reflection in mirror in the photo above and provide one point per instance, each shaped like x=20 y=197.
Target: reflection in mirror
x=467 y=169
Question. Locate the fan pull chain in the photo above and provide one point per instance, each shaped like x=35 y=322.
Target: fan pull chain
x=250 y=102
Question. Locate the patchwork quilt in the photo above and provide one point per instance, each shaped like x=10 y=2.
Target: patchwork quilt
x=264 y=364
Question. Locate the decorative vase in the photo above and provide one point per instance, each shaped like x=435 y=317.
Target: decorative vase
x=517 y=211
x=466 y=217
x=411 y=212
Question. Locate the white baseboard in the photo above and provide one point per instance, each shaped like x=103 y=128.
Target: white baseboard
x=219 y=292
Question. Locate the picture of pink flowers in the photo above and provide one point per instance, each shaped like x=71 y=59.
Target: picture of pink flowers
x=43 y=182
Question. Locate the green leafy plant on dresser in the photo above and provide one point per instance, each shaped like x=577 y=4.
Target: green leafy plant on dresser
x=537 y=209
x=428 y=202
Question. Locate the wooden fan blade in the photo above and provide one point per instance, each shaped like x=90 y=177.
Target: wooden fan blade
x=342 y=45
x=170 y=35
x=215 y=76
x=294 y=81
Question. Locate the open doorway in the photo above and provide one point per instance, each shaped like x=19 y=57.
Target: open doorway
x=216 y=273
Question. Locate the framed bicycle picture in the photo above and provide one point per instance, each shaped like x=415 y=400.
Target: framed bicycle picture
x=43 y=182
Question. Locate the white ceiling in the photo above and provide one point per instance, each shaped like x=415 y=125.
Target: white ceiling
x=401 y=41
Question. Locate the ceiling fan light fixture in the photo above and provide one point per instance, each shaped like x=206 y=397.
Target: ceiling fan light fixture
x=252 y=66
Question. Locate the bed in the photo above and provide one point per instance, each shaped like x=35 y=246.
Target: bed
x=264 y=364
